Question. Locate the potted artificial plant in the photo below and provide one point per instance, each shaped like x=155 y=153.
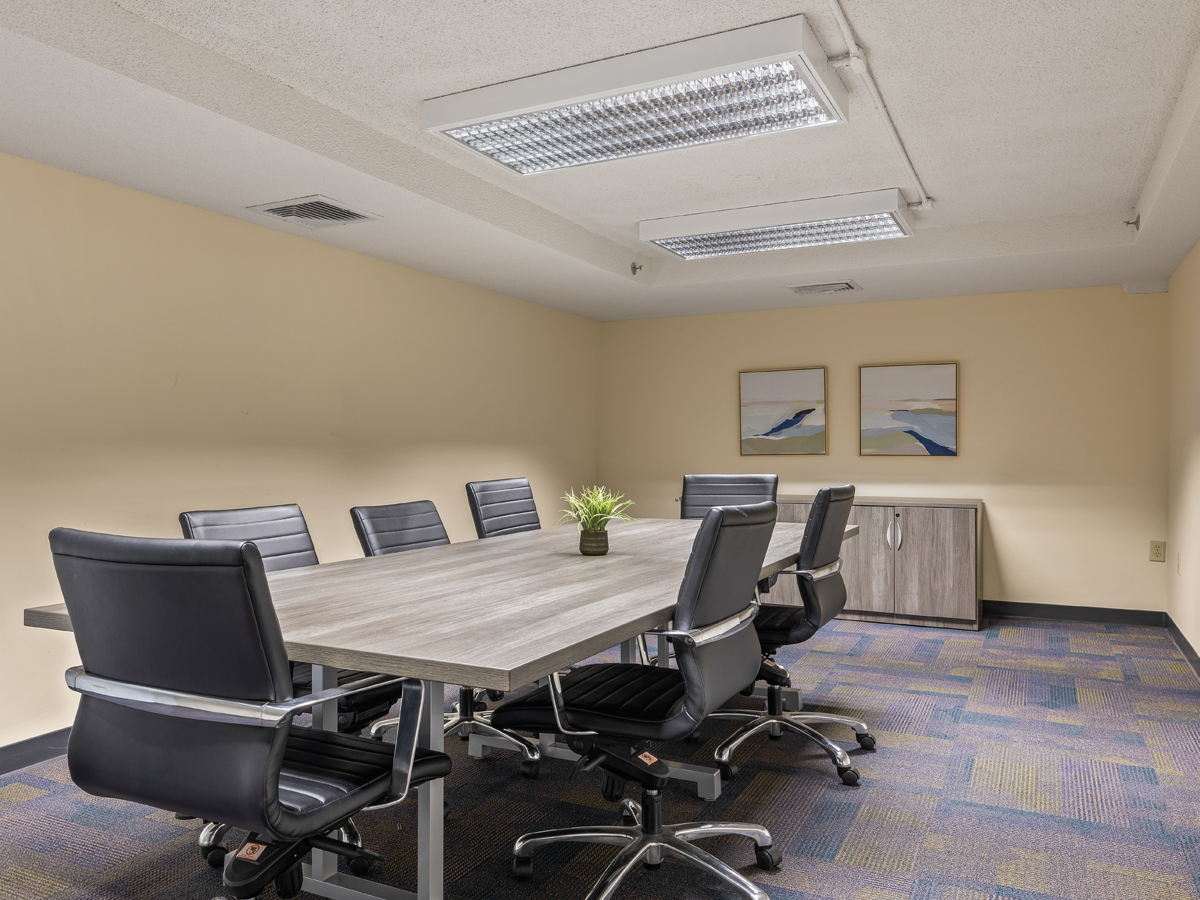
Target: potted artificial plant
x=592 y=509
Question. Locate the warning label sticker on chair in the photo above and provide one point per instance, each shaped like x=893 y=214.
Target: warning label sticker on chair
x=251 y=851
x=647 y=757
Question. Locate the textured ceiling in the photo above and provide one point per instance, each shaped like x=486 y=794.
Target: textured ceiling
x=1036 y=126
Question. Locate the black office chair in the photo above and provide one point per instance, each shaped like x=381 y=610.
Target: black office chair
x=824 y=594
x=411 y=526
x=610 y=713
x=187 y=705
x=504 y=506
x=702 y=492
x=282 y=538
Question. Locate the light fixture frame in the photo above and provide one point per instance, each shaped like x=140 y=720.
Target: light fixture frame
x=716 y=54
x=797 y=212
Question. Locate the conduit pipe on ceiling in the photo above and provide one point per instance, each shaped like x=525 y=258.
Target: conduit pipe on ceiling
x=857 y=63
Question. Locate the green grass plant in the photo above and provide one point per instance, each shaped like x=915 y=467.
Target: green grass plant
x=594 y=507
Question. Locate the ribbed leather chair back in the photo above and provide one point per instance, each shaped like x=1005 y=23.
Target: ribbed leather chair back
x=279 y=531
x=822 y=545
x=702 y=492
x=400 y=526
x=719 y=580
x=504 y=506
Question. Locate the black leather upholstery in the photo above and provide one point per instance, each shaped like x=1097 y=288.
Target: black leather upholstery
x=282 y=537
x=824 y=599
x=632 y=702
x=279 y=531
x=198 y=617
x=400 y=526
x=702 y=492
x=504 y=506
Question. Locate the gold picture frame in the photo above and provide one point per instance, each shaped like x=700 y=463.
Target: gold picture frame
x=903 y=409
x=780 y=413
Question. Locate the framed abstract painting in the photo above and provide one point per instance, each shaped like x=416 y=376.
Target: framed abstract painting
x=783 y=412
x=909 y=410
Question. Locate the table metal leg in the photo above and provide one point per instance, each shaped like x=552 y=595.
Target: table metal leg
x=324 y=716
x=629 y=652
x=664 y=653
x=430 y=801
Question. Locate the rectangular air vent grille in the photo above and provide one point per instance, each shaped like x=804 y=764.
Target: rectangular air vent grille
x=832 y=287
x=315 y=211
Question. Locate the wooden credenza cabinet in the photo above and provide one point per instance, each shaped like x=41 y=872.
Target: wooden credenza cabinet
x=914 y=561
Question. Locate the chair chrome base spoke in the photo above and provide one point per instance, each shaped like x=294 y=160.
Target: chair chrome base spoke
x=466 y=727
x=650 y=845
x=776 y=721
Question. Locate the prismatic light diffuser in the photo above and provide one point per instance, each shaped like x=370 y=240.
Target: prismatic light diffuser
x=758 y=80
x=850 y=218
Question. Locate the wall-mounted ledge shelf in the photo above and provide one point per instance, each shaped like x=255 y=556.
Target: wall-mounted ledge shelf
x=914 y=561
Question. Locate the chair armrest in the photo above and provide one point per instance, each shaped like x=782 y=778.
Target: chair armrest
x=697 y=637
x=184 y=705
x=816 y=574
x=412 y=704
x=559 y=705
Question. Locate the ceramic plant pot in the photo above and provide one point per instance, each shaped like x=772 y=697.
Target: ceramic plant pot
x=593 y=543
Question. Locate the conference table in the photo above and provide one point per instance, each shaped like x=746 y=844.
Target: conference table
x=497 y=613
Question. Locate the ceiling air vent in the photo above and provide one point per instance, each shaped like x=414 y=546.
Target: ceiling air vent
x=833 y=287
x=315 y=211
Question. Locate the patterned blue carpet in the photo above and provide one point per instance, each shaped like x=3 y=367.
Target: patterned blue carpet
x=1030 y=761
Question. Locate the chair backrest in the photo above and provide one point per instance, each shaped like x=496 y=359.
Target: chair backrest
x=821 y=546
x=722 y=571
x=702 y=492
x=400 y=526
x=504 y=506
x=176 y=615
x=279 y=531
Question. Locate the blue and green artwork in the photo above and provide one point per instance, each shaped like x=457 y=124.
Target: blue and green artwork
x=909 y=410
x=783 y=412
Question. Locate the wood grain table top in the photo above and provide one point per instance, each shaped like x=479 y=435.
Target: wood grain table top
x=495 y=613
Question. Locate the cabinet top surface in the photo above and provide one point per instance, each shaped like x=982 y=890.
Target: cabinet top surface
x=950 y=502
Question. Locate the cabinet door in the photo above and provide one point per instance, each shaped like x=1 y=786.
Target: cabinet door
x=935 y=563
x=868 y=562
x=785 y=590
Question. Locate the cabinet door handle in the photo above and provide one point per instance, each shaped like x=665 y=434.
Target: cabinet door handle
x=887 y=536
x=899 y=536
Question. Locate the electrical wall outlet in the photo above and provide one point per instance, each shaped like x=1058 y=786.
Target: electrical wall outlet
x=1158 y=551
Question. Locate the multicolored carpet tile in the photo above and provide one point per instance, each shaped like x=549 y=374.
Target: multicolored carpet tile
x=1030 y=761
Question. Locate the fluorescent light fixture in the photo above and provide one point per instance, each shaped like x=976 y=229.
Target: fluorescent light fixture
x=850 y=218
x=758 y=80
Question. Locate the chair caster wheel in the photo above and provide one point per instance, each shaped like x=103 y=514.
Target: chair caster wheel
x=848 y=775
x=728 y=771
x=628 y=819
x=360 y=866
x=530 y=769
x=775 y=737
x=866 y=741
x=215 y=857
x=522 y=867
x=495 y=696
x=768 y=857
x=693 y=738
x=289 y=883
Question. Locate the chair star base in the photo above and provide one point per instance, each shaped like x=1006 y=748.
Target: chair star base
x=649 y=842
x=777 y=721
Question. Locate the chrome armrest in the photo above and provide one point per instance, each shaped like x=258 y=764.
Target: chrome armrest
x=816 y=574
x=697 y=637
x=412 y=704
x=559 y=705
x=184 y=705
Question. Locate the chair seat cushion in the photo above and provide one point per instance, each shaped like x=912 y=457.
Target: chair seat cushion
x=321 y=767
x=777 y=626
x=640 y=702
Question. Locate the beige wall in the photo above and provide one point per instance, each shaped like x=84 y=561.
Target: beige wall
x=1183 y=504
x=1062 y=428
x=156 y=358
